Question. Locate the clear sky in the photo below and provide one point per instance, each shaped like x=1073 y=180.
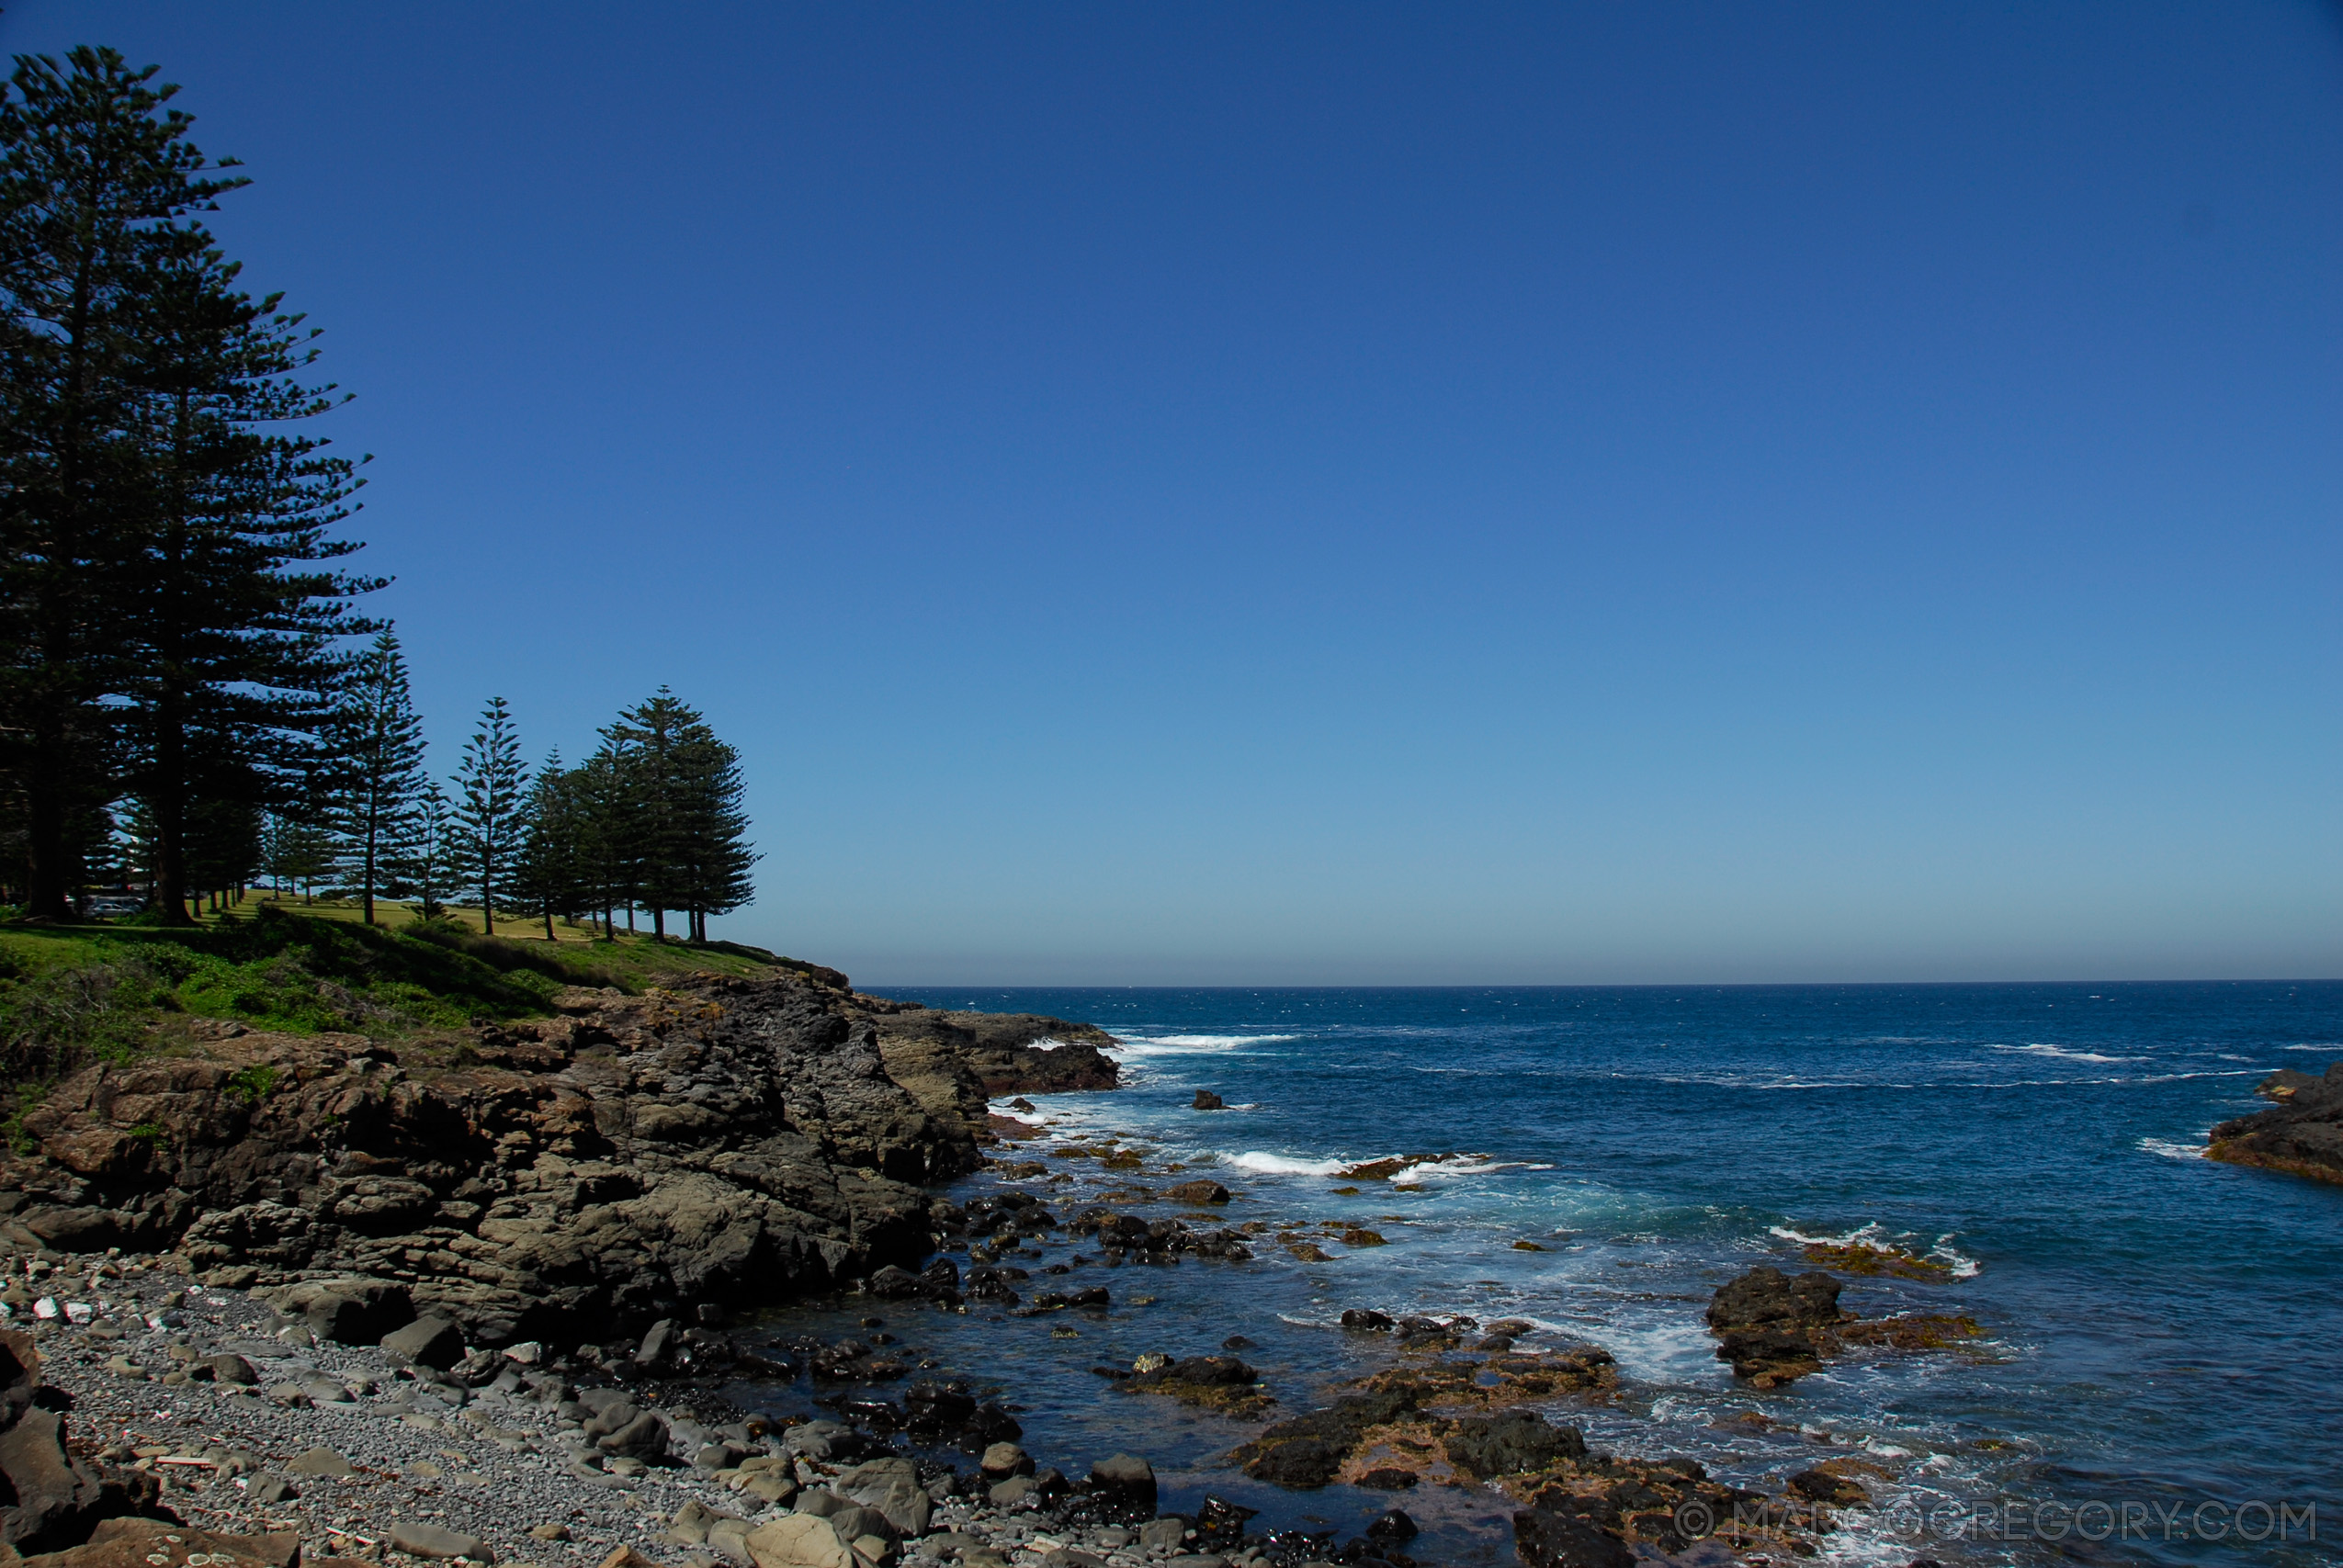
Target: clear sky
x=1350 y=493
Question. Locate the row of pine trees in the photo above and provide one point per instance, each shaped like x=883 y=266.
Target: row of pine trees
x=188 y=693
x=652 y=820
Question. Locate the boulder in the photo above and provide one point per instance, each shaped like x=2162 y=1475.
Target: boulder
x=1003 y=1461
x=419 y=1539
x=799 y=1540
x=658 y=1343
x=891 y=1283
x=1769 y=1327
x=1366 y=1318
x=1302 y=1463
x=48 y=1499
x=1197 y=1192
x=274 y=1233
x=2303 y=1136
x=1766 y=1295
x=1208 y=1100
x=350 y=1311
x=1821 y=1487
x=1542 y=1540
x=1126 y=1480
x=433 y=1342
x=1511 y=1443
x=135 y=1542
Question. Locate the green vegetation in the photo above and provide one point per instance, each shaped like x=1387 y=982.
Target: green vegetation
x=73 y=995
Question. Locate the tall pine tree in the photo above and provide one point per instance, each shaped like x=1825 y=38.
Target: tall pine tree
x=551 y=872
x=425 y=868
x=230 y=609
x=684 y=835
x=376 y=747
x=713 y=858
x=94 y=173
x=490 y=802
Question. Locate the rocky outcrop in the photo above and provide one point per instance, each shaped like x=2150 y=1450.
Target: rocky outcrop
x=2303 y=1134
x=1770 y=1325
x=48 y=1497
x=721 y=1141
x=1010 y=1053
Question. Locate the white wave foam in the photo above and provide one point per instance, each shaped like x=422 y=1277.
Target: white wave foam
x=1964 y=1266
x=1283 y=1165
x=1454 y=1169
x=1200 y=1041
x=2171 y=1150
x=2314 y=1047
x=2063 y=1053
x=1873 y=1233
x=1866 y=1235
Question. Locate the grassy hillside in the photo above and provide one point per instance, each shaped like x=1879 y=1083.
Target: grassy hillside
x=71 y=994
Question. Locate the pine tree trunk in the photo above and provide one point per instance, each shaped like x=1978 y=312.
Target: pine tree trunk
x=658 y=923
x=168 y=800
x=45 y=840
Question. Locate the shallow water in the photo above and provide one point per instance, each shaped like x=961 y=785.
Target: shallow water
x=2162 y=1331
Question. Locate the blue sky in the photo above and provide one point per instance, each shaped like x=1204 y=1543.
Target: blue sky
x=1365 y=493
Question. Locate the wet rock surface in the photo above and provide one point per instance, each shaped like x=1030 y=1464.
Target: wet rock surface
x=2302 y=1135
x=1769 y=1325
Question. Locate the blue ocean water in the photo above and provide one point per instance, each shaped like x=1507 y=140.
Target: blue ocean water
x=2162 y=1332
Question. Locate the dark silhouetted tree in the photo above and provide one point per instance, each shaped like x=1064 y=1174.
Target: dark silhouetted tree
x=376 y=747
x=490 y=816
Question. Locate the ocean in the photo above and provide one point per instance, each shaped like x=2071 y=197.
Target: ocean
x=2159 y=1356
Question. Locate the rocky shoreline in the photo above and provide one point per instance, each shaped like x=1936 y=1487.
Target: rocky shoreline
x=2302 y=1135
x=474 y=1298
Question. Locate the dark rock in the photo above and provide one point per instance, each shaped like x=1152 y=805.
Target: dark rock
x=658 y=1343
x=1366 y=1318
x=433 y=1342
x=1511 y=1442
x=1766 y=1295
x=1391 y=1525
x=1558 y=1541
x=1769 y=1325
x=1197 y=1192
x=1124 y=1479
x=2303 y=1136
x=1208 y=1100
x=891 y=1283
x=357 y=1311
x=51 y=1499
x=1389 y=1479
x=1821 y=1487
x=1301 y=1463
x=1332 y=1434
